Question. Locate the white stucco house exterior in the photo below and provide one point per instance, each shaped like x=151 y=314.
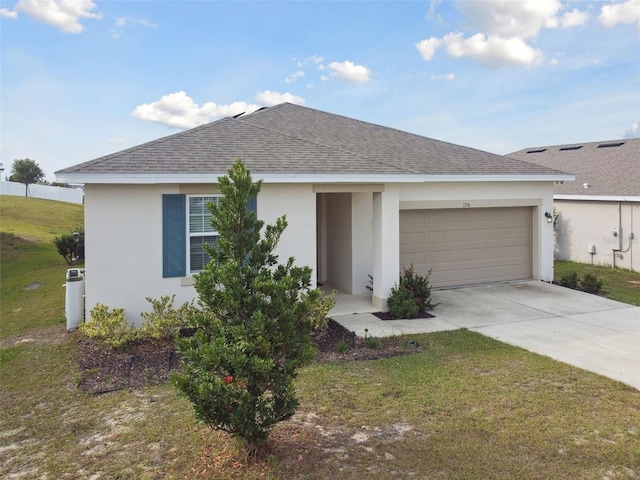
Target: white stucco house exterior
x=360 y=199
x=598 y=215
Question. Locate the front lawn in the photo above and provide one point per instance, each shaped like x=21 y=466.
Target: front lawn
x=465 y=407
x=618 y=284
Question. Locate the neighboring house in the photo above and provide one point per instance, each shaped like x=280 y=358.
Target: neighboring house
x=360 y=199
x=598 y=215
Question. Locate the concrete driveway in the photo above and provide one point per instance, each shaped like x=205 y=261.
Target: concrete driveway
x=577 y=328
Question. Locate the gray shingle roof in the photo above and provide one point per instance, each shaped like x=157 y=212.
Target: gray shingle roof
x=290 y=139
x=610 y=168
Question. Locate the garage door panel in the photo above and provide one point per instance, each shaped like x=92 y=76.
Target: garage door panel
x=465 y=246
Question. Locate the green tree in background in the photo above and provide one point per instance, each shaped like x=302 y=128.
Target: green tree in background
x=26 y=171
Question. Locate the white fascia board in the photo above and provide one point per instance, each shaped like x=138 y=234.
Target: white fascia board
x=599 y=198
x=146 y=178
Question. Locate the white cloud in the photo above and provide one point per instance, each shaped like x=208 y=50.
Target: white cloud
x=269 y=98
x=180 y=111
x=574 y=18
x=444 y=76
x=493 y=51
x=294 y=77
x=626 y=12
x=428 y=47
x=121 y=23
x=503 y=28
x=8 y=13
x=313 y=59
x=522 y=19
x=347 y=70
x=633 y=131
x=62 y=14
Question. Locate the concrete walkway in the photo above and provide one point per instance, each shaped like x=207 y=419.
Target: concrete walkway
x=577 y=328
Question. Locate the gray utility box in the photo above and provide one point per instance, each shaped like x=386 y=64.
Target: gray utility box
x=74 y=298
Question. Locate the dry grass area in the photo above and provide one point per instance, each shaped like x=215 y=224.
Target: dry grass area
x=465 y=407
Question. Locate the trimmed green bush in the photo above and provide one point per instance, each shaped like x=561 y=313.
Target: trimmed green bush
x=164 y=321
x=590 y=283
x=570 y=280
x=402 y=303
x=411 y=296
x=109 y=327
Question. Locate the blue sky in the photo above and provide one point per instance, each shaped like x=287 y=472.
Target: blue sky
x=80 y=78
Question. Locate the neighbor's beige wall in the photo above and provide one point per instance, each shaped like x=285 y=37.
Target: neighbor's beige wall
x=583 y=223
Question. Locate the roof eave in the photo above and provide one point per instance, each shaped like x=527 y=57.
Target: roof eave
x=599 y=198
x=199 y=178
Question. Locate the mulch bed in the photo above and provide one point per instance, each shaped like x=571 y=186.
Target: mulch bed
x=388 y=316
x=105 y=370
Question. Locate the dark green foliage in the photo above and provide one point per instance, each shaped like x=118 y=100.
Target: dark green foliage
x=402 y=303
x=26 y=171
x=570 y=280
x=411 y=296
x=590 y=283
x=71 y=246
x=254 y=330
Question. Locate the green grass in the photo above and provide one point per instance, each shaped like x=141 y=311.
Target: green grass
x=29 y=257
x=618 y=284
x=467 y=407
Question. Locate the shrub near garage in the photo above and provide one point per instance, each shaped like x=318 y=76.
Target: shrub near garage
x=411 y=296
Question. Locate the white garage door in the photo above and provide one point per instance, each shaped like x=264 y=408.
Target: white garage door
x=467 y=246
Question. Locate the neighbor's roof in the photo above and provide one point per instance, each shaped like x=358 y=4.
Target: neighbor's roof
x=292 y=143
x=602 y=169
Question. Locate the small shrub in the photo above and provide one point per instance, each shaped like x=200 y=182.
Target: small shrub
x=164 y=321
x=109 y=328
x=342 y=346
x=570 y=280
x=590 y=283
x=419 y=286
x=371 y=342
x=411 y=296
x=71 y=246
x=402 y=303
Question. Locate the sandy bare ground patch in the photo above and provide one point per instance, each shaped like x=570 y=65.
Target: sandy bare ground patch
x=38 y=337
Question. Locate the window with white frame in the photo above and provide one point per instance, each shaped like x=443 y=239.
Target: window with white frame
x=200 y=231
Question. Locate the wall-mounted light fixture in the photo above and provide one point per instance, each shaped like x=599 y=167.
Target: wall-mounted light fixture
x=549 y=217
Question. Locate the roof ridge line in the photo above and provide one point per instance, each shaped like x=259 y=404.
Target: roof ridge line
x=311 y=142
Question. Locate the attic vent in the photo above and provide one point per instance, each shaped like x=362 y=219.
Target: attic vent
x=613 y=144
x=573 y=147
x=537 y=151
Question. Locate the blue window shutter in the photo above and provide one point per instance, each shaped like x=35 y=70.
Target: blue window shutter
x=253 y=204
x=174 y=236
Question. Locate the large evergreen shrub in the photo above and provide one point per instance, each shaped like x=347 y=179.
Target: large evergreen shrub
x=254 y=330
